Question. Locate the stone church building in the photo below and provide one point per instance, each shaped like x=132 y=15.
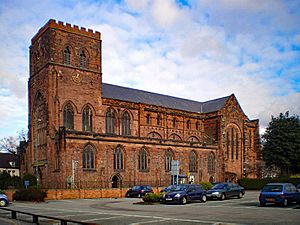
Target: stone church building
x=90 y=134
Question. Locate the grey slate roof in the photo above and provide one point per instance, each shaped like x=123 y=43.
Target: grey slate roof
x=138 y=96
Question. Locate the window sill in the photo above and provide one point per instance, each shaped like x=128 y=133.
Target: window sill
x=89 y=170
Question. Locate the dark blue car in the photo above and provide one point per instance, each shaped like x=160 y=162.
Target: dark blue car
x=185 y=193
x=278 y=193
x=3 y=200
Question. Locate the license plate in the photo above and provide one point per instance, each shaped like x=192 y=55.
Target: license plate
x=169 y=199
x=270 y=199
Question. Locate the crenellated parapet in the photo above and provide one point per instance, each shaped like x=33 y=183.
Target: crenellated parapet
x=68 y=28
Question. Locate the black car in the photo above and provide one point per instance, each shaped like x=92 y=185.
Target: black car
x=225 y=190
x=184 y=193
x=139 y=191
x=298 y=187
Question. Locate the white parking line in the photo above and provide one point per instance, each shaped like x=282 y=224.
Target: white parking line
x=145 y=222
x=105 y=218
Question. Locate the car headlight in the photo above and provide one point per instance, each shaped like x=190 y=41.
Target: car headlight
x=177 y=195
x=215 y=193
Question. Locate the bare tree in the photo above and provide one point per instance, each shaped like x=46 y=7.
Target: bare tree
x=9 y=144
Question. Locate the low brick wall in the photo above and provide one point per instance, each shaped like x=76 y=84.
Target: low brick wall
x=58 y=194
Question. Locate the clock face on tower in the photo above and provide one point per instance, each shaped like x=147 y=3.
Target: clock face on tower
x=76 y=77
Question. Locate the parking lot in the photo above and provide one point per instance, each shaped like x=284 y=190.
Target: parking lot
x=131 y=211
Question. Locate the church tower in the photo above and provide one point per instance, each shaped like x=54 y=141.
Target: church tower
x=65 y=87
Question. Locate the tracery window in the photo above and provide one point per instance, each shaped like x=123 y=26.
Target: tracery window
x=68 y=116
x=211 y=163
x=110 y=121
x=126 y=124
x=88 y=157
x=168 y=160
x=67 y=56
x=82 y=59
x=87 y=119
x=232 y=143
x=118 y=159
x=143 y=160
x=192 y=162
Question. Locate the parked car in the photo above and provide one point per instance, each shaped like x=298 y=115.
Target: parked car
x=139 y=191
x=3 y=200
x=279 y=193
x=169 y=188
x=298 y=187
x=225 y=190
x=185 y=193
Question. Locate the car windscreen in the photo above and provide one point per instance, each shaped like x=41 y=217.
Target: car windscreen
x=220 y=186
x=135 y=188
x=180 y=188
x=272 y=188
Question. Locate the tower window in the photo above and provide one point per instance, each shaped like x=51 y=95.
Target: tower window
x=211 y=163
x=68 y=117
x=82 y=60
x=188 y=124
x=158 y=120
x=67 y=56
x=168 y=160
x=148 y=119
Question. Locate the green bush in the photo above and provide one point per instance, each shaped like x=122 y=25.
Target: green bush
x=31 y=178
x=206 y=185
x=5 y=179
x=31 y=194
x=257 y=184
x=153 y=197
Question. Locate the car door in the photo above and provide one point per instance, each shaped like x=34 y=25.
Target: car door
x=191 y=192
x=230 y=190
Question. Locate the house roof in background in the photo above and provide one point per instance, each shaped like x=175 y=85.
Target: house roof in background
x=7 y=158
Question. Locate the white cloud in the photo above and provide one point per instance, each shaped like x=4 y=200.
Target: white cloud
x=202 y=52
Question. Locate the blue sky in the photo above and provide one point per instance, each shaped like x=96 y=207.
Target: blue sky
x=198 y=50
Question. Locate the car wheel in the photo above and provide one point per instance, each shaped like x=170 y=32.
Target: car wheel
x=262 y=204
x=183 y=200
x=223 y=197
x=285 y=202
x=240 y=195
x=3 y=202
x=203 y=199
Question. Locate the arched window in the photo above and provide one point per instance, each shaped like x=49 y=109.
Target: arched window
x=118 y=159
x=143 y=160
x=88 y=157
x=68 y=116
x=197 y=125
x=87 y=119
x=168 y=160
x=192 y=162
x=82 y=59
x=158 y=120
x=174 y=123
x=126 y=124
x=148 y=119
x=67 y=56
x=110 y=121
x=232 y=142
x=188 y=124
x=211 y=163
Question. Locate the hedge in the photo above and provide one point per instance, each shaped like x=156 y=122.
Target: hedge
x=31 y=194
x=257 y=184
x=153 y=197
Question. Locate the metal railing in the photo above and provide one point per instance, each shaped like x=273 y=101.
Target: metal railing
x=35 y=217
